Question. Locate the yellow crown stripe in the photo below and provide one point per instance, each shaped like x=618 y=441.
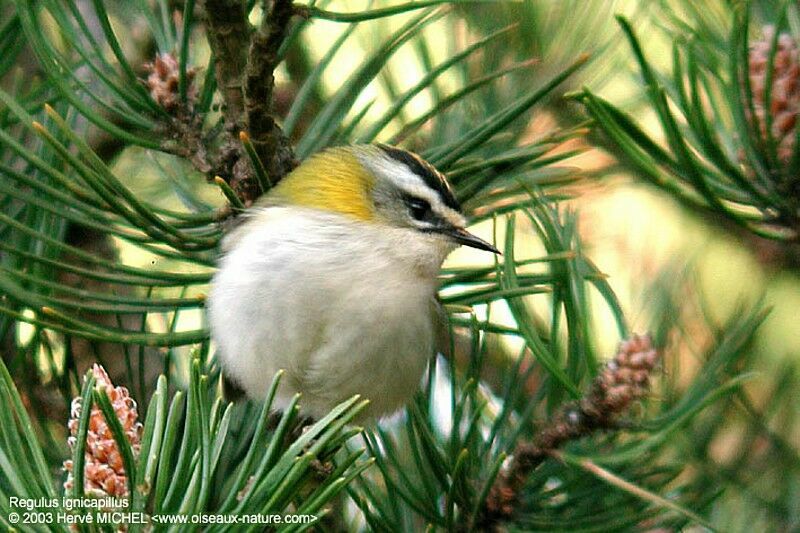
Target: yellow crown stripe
x=333 y=180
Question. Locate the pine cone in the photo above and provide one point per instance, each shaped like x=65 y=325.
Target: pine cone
x=104 y=472
x=622 y=381
x=785 y=97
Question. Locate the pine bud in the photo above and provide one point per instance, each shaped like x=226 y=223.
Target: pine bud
x=163 y=81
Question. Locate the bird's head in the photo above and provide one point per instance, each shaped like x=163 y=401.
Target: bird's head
x=379 y=184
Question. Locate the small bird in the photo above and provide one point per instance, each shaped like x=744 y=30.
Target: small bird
x=332 y=277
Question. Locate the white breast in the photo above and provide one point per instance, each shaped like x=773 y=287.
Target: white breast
x=343 y=306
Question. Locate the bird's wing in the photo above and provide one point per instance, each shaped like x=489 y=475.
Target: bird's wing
x=231 y=392
x=441 y=328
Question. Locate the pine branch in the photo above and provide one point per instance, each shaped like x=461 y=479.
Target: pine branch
x=270 y=144
x=244 y=70
x=229 y=38
x=624 y=380
x=728 y=113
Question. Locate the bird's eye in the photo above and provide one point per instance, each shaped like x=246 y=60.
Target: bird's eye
x=420 y=209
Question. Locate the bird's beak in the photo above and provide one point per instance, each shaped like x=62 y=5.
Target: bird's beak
x=462 y=236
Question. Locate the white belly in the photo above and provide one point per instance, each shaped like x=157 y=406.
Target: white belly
x=330 y=301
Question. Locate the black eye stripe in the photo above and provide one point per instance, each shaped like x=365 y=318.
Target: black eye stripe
x=432 y=177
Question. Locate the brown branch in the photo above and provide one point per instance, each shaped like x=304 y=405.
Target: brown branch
x=229 y=38
x=259 y=82
x=624 y=380
x=245 y=64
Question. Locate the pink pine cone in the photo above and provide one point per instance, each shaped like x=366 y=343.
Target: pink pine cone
x=104 y=471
